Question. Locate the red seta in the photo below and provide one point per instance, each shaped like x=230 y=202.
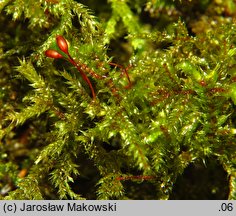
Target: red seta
x=63 y=46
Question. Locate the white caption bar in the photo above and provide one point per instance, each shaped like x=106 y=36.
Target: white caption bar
x=118 y=207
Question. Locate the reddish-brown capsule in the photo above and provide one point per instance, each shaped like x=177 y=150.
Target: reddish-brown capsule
x=62 y=44
x=53 y=54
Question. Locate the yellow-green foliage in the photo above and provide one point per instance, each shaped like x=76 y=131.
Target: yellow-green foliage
x=180 y=109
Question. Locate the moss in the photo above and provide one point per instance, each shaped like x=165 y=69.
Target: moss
x=163 y=76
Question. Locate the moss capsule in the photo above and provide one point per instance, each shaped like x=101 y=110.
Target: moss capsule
x=53 y=54
x=62 y=44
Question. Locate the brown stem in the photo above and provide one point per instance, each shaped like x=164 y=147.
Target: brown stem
x=83 y=67
x=124 y=70
x=86 y=79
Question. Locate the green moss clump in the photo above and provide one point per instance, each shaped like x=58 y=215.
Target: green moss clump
x=130 y=142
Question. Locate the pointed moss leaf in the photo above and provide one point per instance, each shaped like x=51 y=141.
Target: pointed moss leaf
x=232 y=92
